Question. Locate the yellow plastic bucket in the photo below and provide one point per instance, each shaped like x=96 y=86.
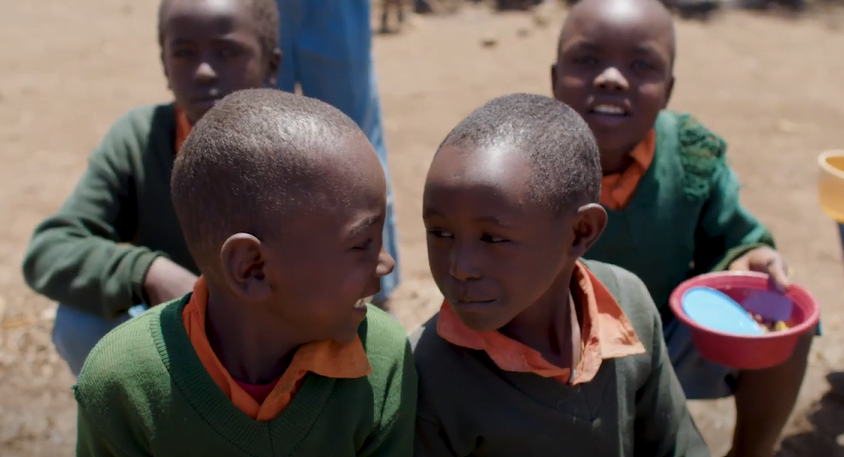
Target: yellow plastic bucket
x=831 y=183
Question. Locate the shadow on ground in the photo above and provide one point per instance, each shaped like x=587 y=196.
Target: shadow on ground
x=826 y=437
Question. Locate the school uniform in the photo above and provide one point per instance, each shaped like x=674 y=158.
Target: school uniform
x=92 y=255
x=154 y=386
x=484 y=394
x=674 y=214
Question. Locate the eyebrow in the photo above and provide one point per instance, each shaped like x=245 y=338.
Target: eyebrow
x=362 y=225
x=494 y=220
x=645 y=49
x=483 y=219
x=581 y=43
x=223 y=39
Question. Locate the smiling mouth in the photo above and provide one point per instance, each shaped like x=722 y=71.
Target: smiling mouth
x=608 y=110
x=361 y=303
x=464 y=302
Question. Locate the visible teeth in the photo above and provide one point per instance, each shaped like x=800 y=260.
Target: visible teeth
x=608 y=109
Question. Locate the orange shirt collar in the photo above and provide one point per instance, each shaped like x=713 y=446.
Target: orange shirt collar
x=325 y=358
x=182 y=127
x=618 y=188
x=606 y=334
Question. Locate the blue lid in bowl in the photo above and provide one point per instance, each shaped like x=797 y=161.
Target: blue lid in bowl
x=714 y=310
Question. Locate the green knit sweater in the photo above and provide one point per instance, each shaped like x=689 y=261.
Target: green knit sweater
x=633 y=407
x=94 y=252
x=684 y=217
x=144 y=392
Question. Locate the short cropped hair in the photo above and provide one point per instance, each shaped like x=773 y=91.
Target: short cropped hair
x=255 y=157
x=561 y=151
x=264 y=13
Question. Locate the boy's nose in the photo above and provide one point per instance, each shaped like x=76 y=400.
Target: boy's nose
x=385 y=263
x=611 y=79
x=205 y=73
x=461 y=267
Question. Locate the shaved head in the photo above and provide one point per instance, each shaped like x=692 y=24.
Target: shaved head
x=532 y=136
x=260 y=156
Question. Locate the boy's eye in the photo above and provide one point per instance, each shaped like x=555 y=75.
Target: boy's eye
x=585 y=60
x=642 y=65
x=364 y=246
x=182 y=53
x=487 y=238
x=229 y=52
x=440 y=234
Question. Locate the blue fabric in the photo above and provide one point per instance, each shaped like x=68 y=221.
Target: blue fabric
x=76 y=332
x=326 y=49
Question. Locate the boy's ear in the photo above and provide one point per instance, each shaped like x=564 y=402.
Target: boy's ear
x=273 y=64
x=589 y=223
x=242 y=261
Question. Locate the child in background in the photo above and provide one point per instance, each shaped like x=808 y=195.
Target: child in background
x=281 y=200
x=672 y=199
x=535 y=352
x=116 y=243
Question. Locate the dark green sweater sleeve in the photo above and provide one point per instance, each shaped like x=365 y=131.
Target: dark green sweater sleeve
x=664 y=426
x=91 y=441
x=112 y=406
x=81 y=256
x=394 y=438
x=726 y=230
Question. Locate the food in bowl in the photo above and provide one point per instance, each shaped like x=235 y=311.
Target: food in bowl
x=769 y=325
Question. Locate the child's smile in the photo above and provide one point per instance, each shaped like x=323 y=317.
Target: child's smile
x=607 y=113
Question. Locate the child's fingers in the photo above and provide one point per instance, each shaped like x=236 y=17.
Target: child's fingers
x=740 y=264
x=776 y=269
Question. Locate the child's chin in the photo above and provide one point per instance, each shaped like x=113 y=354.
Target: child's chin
x=479 y=322
x=346 y=336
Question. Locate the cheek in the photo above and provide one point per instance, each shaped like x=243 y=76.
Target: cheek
x=246 y=73
x=179 y=79
x=571 y=89
x=536 y=272
x=438 y=257
x=653 y=96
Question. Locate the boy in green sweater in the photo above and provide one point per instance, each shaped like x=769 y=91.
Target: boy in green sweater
x=672 y=199
x=535 y=352
x=115 y=243
x=282 y=202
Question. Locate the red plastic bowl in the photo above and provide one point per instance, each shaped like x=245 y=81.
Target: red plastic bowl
x=739 y=351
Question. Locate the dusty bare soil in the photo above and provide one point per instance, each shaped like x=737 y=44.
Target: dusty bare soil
x=770 y=85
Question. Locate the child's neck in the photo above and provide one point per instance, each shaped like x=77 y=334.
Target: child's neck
x=617 y=161
x=253 y=348
x=551 y=325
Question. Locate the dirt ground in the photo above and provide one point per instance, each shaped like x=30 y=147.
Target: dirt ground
x=770 y=85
